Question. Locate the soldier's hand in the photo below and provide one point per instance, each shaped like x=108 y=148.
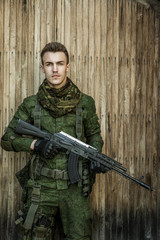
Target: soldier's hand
x=45 y=148
x=96 y=167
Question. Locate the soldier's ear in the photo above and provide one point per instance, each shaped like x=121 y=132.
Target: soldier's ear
x=68 y=66
x=42 y=68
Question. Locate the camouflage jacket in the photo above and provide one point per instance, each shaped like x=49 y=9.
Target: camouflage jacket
x=67 y=123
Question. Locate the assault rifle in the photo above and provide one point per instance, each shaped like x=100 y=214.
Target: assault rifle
x=76 y=148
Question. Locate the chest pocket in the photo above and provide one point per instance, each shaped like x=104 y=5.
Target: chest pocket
x=79 y=118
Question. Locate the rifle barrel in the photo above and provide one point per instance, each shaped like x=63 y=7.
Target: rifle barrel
x=133 y=179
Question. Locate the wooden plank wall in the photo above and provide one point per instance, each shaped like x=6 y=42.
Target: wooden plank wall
x=114 y=48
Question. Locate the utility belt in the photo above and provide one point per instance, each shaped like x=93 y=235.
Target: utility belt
x=56 y=174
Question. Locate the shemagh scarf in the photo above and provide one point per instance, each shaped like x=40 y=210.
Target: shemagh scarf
x=59 y=101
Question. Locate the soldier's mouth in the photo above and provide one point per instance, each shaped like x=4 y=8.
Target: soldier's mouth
x=55 y=76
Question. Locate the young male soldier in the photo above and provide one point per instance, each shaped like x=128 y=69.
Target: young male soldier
x=58 y=106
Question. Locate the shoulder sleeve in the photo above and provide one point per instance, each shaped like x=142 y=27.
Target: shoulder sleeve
x=14 y=142
x=91 y=123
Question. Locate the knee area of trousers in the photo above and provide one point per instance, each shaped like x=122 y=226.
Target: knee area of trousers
x=41 y=232
x=42 y=228
x=22 y=233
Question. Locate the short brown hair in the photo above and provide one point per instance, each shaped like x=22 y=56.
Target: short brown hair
x=54 y=47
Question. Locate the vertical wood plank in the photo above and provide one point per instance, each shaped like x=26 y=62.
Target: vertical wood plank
x=85 y=50
x=19 y=53
x=119 y=224
x=30 y=48
x=45 y=16
x=144 y=101
x=67 y=24
x=12 y=79
x=155 y=165
x=138 y=90
x=158 y=135
x=108 y=150
x=79 y=51
x=24 y=48
x=49 y=22
x=37 y=45
x=91 y=93
x=59 y=22
x=91 y=48
x=73 y=47
x=97 y=47
x=18 y=98
x=126 y=118
x=5 y=120
x=133 y=118
x=103 y=114
x=96 y=81
x=149 y=120
x=45 y=21
x=2 y=6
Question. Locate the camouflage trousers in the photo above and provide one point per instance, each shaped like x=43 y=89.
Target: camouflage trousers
x=74 y=211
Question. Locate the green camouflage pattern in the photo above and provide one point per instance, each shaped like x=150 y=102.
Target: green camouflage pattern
x=90 y=131
x=59 y=101
x=74 y=210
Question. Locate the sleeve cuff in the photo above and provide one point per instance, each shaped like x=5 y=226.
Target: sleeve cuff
x=22 y=144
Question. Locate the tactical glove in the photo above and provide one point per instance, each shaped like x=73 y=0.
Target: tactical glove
x=96 y=167
x=45 y=148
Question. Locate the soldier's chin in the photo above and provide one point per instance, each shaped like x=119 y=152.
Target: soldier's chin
x=57 y=84
x=55 y=81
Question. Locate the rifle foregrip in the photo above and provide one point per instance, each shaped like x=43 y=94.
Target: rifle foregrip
x=73 y=168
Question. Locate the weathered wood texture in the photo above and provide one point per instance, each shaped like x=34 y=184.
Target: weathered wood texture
x=114 y=48
x=154 y=4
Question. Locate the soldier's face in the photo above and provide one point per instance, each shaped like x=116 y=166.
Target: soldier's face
x=55 y=68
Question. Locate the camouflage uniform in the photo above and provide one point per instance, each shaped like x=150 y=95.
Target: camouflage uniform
x=44 y=192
